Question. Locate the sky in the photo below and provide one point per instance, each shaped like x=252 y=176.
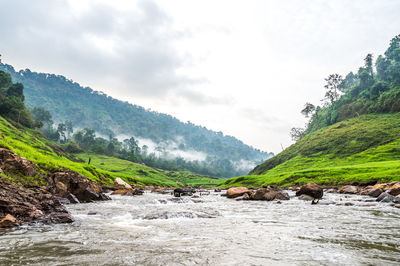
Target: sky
x=245 y=68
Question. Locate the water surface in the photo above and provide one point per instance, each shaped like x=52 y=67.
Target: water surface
x=154 y=230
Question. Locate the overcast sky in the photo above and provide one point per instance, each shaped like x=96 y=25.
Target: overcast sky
x=245 y=68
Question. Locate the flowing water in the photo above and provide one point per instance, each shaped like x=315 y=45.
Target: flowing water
x=156 y=229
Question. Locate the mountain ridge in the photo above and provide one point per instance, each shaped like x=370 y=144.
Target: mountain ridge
x=85 y=107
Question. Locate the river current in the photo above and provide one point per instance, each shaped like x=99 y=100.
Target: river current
x=156 y=229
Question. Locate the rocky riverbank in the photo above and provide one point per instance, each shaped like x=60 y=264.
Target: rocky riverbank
x=384 y=192
x=41 y=201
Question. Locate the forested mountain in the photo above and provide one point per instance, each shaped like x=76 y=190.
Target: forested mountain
x=353 y=136
x=86 y=108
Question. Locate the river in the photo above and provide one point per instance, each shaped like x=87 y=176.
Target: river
x=156 y=229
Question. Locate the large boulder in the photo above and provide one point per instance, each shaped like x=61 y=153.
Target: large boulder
x=375 y=192
x=121 y=184
x=394 y=189
x=311 y=189
x=12 y=163
x=70 y=182
x=31 y=204
x=235 y=192
x=269 y=194
x=385 y=197
x=396 y=199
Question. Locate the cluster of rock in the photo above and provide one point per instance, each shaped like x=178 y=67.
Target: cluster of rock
x=267 y=193
x=25 y=204
x=124 y=189
x=385 y=192
x=75 y=188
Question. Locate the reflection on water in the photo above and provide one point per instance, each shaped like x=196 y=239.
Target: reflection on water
x=154 y=230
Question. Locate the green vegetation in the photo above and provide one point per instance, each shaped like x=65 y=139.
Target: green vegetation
x=354 y=136
x=147 y=175
x=12 y=100
x=85 y=108
x=359 y=149
x=32 y=145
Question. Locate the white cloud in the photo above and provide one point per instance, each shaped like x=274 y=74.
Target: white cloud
x=244 y=68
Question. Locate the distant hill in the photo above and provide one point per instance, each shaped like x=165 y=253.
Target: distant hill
x=353 y=136
x=166 y=135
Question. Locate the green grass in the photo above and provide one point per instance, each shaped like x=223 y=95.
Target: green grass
x=144 y=174
x=359 y=149
x=31 y=145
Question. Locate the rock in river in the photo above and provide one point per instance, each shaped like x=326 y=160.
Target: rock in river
x=385 y=197
x=235 y=192
x=8 y=221
x=121 y=184
x=269 y=194
x=311 y=189
x=348 y=189
x=375 y=192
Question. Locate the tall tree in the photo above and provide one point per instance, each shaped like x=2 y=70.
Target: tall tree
x=332 y=88
x=308 y=109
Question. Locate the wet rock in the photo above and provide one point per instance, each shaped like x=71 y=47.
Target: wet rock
x=121 y=184
x=349 y=190
x=243 y=197
x=183 y=192
x=394 y=189
x=375 y=192
x=397 y=206
x=72 y=199
x=396 y=199
x=195 y=196
x=305 y=197
x=282 y=196
x=311 y=189
x=348 y=204
x=259 y=194
x=31 y=204
x=269 y=194
x=217 y=190
x=92 y=213
x=82 y=188
x=235 y=192
x=8 y=221
x=385 y=197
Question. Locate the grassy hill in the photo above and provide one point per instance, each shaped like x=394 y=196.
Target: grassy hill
x=359 y=149
x=31 y=145
x=147 y=175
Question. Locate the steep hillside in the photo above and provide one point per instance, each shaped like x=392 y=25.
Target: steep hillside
x=31 y=145
x=360 y=149
x=67 y=100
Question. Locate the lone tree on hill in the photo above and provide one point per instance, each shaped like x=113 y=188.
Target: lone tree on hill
x=332 y=88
